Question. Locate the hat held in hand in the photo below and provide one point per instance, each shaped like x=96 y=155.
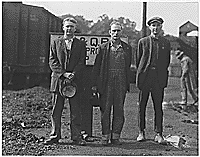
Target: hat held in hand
x=67 y=88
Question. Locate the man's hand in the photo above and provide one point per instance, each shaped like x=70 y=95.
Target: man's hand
x=94 y=88
x=68 y=75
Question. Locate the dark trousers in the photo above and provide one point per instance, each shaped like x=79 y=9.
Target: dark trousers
x=75 y=115
x=87 y=111
x=151 y=85
x=86 y=107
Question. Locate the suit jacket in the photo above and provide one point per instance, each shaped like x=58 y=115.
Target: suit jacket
x=143 y=59
x=57 y=59
x=100 y=69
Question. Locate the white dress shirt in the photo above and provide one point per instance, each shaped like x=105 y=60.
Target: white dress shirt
x=69 y=43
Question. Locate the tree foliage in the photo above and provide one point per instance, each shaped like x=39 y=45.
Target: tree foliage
x=83 y=24
x=102 y=26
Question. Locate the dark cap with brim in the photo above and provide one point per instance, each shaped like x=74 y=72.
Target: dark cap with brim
x=155 y=19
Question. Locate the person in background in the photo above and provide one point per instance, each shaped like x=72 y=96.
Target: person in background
x=111 y=74
x=152 y=61
x=188 y=77
x=66 y=59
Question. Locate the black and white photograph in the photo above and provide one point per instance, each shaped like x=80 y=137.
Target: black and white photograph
x=100 y=78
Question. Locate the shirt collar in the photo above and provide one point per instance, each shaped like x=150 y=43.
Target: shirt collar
x=119 y=45
x=69 y=40
x=153 y=37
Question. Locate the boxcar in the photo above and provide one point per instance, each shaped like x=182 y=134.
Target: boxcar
x=26 y=42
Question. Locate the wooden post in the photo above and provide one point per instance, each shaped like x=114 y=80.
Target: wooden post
x=144 y=19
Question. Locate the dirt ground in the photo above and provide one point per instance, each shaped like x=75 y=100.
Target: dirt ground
x=26 y=123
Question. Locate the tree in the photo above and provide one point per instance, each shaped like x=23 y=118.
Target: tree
x=102 y=26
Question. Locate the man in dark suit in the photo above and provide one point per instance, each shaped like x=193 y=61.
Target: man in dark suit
x=66 y=60
x=152 y=61
x=111 y=74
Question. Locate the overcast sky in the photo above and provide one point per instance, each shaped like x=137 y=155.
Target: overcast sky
x=174 y=13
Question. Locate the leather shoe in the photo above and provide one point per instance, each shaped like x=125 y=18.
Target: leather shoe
x=89 y=139
x=51 y=141
x=116 y=142
x=159 y=138
x=141 y=137
x=105 y=142
x=79 y=142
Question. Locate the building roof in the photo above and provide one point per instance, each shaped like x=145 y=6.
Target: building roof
x=187 y=27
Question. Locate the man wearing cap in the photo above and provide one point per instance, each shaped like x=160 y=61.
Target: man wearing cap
x=152 y=61
x=111 y=76
x=66 y=59
x=188 y=77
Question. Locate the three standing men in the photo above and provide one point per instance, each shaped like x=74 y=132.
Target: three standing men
x=152 y=61
x=111 y=74
x=66 y=60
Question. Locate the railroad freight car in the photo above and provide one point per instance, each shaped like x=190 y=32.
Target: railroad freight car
x=26 y=42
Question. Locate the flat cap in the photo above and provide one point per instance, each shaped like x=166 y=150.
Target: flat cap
x=155 y=19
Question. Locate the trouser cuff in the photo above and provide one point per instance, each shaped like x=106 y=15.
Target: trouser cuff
x=115 y=136
x=106 y=137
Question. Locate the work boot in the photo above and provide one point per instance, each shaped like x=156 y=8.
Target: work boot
x=105 y=142
x=51 y=141
x=79 y=142
x=116 y=142
x=105 y=139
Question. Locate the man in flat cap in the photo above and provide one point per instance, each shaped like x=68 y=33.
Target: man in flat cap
x=66 y=60
x=152 y=61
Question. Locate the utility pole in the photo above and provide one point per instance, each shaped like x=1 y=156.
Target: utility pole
x=144 y=19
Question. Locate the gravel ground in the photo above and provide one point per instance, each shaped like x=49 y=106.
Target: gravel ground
x=26 y=124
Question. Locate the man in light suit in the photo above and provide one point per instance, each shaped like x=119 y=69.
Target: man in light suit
x=66 y=60
x=111 y=76
x=152 y=61
x=188 y=77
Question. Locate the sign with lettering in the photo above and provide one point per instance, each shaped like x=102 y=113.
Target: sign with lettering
x=92 y=43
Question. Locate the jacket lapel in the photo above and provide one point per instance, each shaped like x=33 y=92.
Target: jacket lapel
x=149 y=40
x=74 y=46
x=161 y=46
x=108 y=46
x=107 y=51
x=125 y=48
x=150 y=46
x=62 y=50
